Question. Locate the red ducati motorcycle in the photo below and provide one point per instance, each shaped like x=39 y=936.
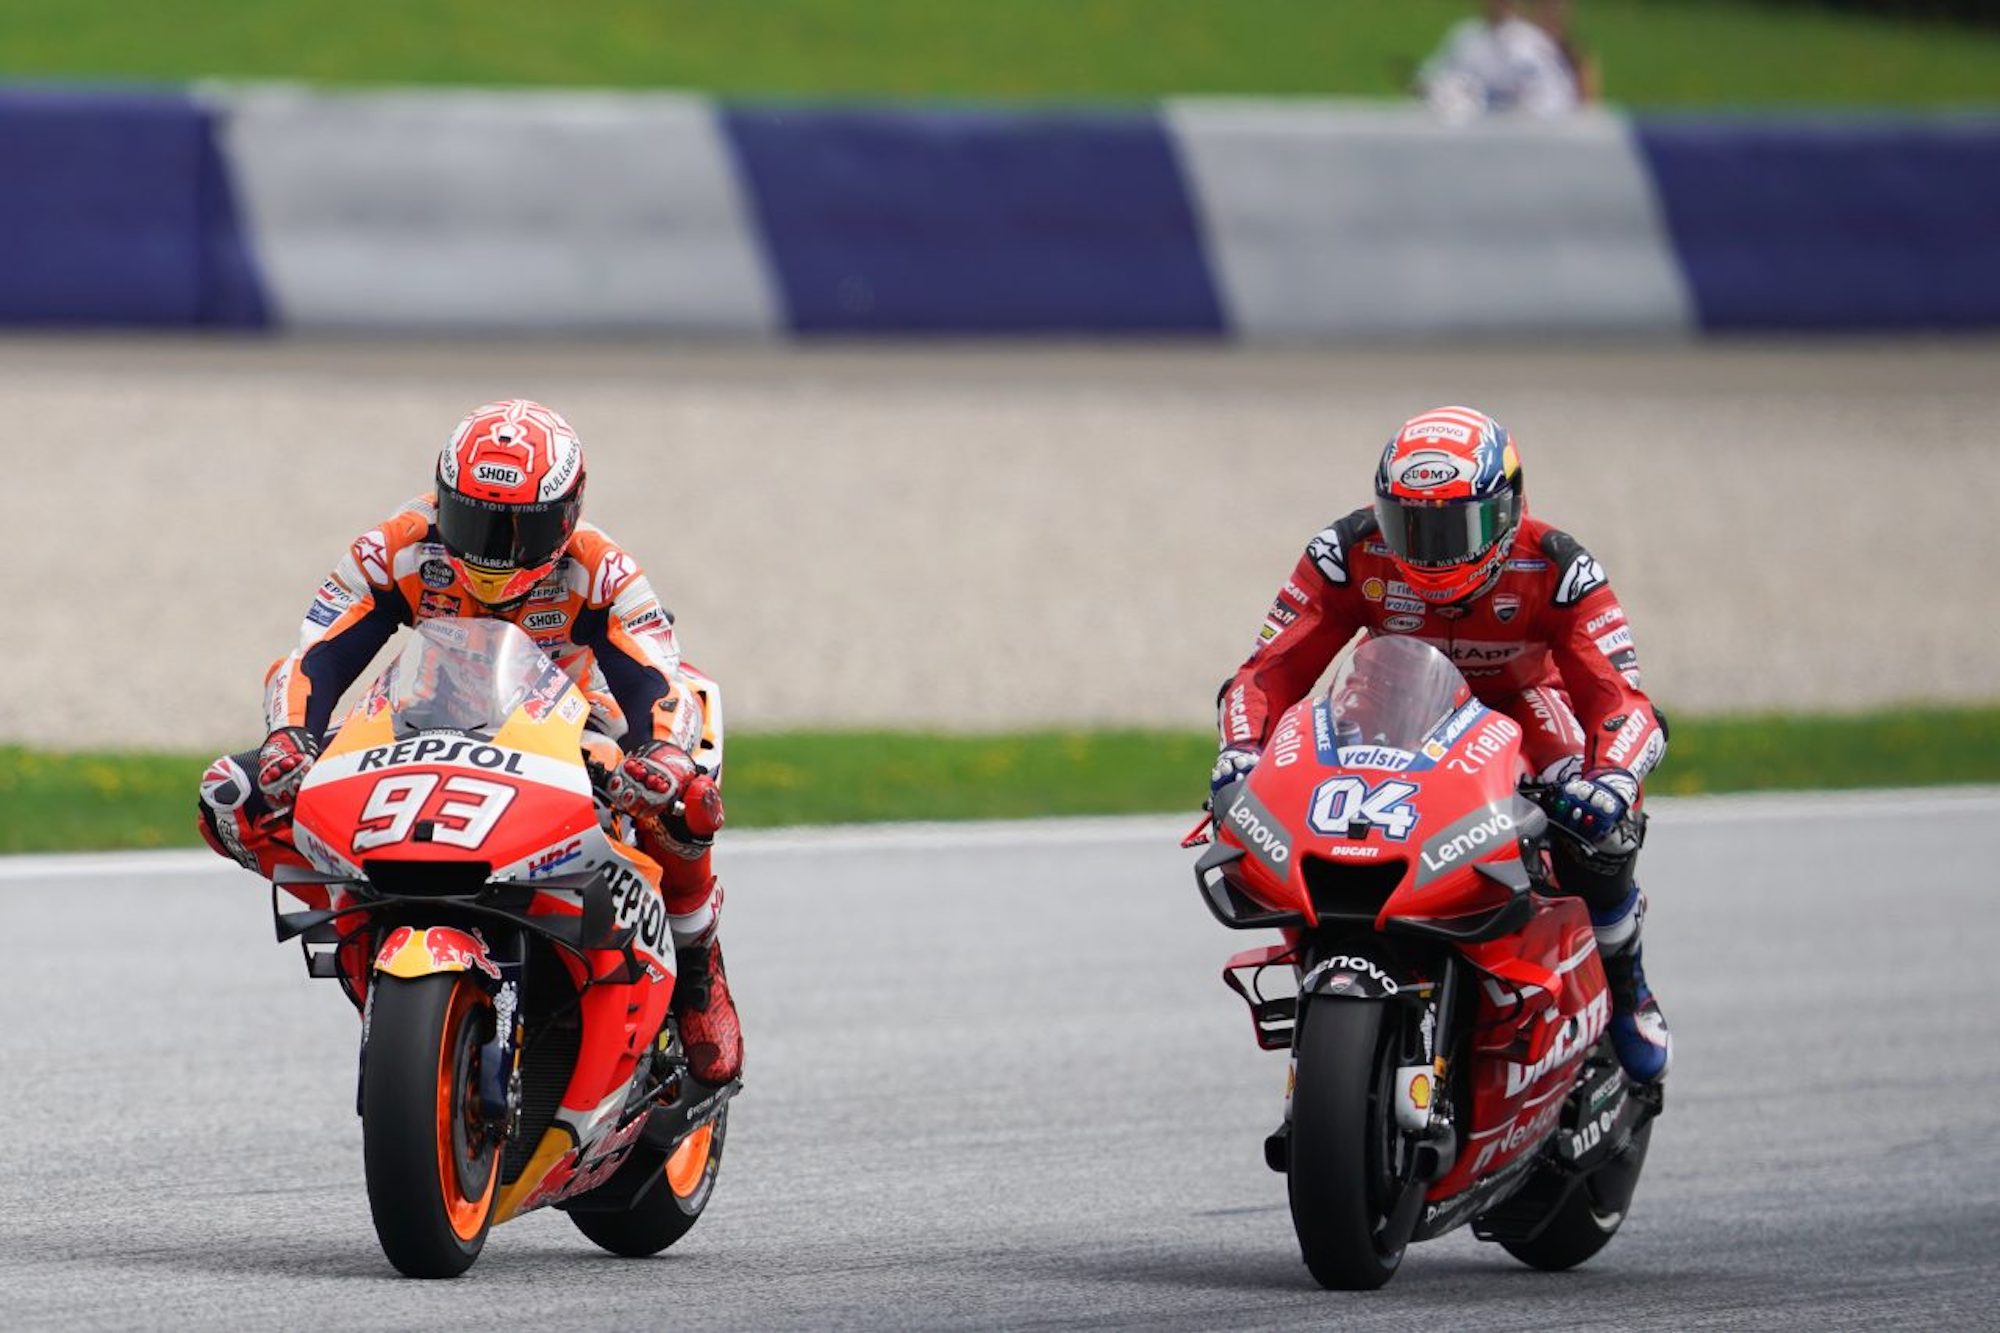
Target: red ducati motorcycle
x=509 y=951
x=1446 y=1013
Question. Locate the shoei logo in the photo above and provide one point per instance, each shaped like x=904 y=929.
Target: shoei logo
x=497 y=474
x=1428 y=469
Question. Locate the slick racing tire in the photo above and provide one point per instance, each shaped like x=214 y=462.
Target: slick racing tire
x=1345 y=1150
x=432 y=1171
x=674 y=1202
x=1590 y=1215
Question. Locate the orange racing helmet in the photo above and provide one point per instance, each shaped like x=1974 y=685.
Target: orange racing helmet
x=509 y=494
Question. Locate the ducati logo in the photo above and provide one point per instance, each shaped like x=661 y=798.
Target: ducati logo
x=1504 y=607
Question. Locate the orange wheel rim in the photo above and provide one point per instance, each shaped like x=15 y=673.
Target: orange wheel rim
x=689 y=1161
x=466 y=1216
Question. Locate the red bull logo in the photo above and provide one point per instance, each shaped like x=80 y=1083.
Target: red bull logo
x=415 y=952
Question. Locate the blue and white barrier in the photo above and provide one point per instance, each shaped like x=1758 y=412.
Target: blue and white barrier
x=538 y=212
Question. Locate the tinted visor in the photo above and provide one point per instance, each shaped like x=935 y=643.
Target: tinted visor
x=511 y=536
x=1452 y=533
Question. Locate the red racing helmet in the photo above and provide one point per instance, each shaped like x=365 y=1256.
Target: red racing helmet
x=509 y=493
x=1448 y=499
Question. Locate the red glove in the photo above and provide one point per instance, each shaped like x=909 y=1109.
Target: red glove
x=653 y=777
x=282 y=762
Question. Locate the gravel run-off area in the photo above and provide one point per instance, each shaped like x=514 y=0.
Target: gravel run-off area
x=987 y=537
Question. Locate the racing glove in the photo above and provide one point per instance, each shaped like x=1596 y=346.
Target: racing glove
x=651 y=779
x=282 y=763
x=1594 y=806
x=1231 y=766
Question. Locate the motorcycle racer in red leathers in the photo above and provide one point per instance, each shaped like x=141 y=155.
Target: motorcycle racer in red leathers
x=500 y=536
x=1448 y=554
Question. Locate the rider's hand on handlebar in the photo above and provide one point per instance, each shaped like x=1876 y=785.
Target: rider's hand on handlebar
x=1231 y=766
x=651 y=779
x=1594 y=806
x=282 y=763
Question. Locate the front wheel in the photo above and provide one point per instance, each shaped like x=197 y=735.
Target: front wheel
x=432 y=1170
x=1346 y=1152
x=674 y=1202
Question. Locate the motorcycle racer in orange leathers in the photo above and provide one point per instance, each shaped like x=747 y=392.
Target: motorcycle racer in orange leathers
x=501 y=536
x=1448 y=554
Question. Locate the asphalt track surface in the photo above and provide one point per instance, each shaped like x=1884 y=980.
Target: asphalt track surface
x=994 y=1081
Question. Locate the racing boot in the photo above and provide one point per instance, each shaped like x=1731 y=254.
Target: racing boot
x=1638 y=1028
x=710 y=1033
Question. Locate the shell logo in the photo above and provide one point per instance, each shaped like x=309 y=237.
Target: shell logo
x=1420 y=1092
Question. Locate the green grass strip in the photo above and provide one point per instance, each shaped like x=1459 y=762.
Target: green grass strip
x=1687 y=53
x=75 y=802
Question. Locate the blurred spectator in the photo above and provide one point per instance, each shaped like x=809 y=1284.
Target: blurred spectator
x=1497 y=62
x=1553 y=18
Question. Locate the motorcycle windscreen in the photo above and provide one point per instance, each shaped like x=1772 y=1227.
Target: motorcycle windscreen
x=465 y=675
x=1393 y=691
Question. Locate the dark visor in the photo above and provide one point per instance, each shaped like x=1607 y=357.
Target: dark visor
x=509 y=536
x=1450 y=533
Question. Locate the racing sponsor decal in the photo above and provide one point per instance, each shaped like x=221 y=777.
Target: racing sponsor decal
x=498 y=474
x=1448 y=731
x=1428 y=469
x=1287 y=742
x=613 y=573
x=1395 y=602
x=557 y=481
x=1354 y=966
x=1439 y=430
x=1610 y=616
x=547 y=863
x=1465 y=653
x=436 y=574
x=1627 y=739
x=1505 y=606
x=1260 y=832
x=553 y=588
x=334 y=594
x=319 y=613
x=372 y=554
x=1373 y=589
x=1466 y=840
x=438 y=750
x=537 y=620
x=1487 y=744
x=1518 y=1133
x=1323 y=743
x=647 y=619
x=1376 y=756
x=1578 y=1035
x=1325 y=552
x=1528 y=566
x=1403 y=624
x=1236 y=715
x=434 y=604
x=1583 y=577
x=1609 y=644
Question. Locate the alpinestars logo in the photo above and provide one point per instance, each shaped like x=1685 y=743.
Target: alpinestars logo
x=1583 y=577
x=1326 y=553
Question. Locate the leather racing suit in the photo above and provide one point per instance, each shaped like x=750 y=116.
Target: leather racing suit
x=1546 y=644
x=595 y=614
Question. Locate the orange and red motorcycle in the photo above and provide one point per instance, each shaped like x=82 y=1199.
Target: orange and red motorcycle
x=1445 y=1010
x=509 y=952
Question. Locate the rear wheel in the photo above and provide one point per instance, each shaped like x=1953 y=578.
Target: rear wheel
x=674 y=1203
x=432 y=1169
x=1585 y=1222
x=1347 y=1155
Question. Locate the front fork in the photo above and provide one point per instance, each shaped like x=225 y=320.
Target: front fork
x=1422 y=1106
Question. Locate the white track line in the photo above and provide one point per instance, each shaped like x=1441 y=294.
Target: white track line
x=1670 y=811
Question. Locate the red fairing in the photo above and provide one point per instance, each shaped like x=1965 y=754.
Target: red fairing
x=441 y=812
x=1551 y=621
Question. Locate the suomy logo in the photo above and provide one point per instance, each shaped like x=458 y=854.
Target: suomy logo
x=1428 y=468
